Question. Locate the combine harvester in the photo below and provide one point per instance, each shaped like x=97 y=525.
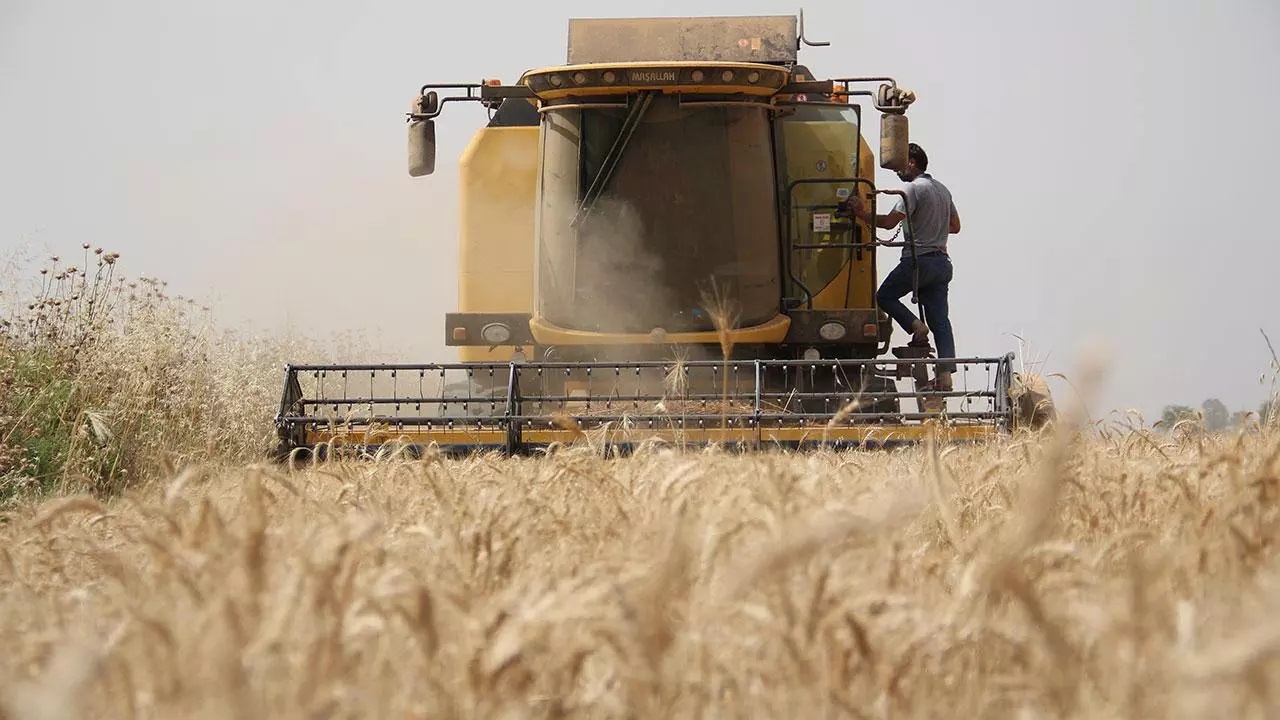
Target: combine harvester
x=655 y=246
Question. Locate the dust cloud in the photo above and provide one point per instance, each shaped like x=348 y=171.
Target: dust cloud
x=626 y=280
x=618 y=280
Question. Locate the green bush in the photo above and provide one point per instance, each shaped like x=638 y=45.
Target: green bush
x=107 y=378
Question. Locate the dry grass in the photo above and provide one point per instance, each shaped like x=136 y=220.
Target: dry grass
x=106 y=377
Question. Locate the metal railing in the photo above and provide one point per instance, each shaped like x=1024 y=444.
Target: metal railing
x=502 y=403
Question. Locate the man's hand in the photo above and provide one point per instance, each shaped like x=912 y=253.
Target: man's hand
x=843 y=209
x=858 y=207
x=861 y=212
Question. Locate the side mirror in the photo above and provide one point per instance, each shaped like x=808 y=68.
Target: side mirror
x=422 y=134
x=893 y=141
x=422 y=147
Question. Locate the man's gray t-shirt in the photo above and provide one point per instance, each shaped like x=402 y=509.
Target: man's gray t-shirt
x=930 y=220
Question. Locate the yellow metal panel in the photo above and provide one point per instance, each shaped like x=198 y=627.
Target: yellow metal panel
x=773 y=331
x=442 y=435
x=879 y=433
x=711 y=432
x=498 y=178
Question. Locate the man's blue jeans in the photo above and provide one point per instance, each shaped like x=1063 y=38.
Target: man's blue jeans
x=935 y=278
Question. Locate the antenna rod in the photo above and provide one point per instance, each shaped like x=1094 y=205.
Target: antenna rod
x=805 y=40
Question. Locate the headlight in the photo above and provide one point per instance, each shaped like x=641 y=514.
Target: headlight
x=812 y=354
x=495 y=333
x=831 y=331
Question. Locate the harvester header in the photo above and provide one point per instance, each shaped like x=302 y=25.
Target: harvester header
x=655 y=237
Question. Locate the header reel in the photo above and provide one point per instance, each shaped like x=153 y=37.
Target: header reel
x=519 y=408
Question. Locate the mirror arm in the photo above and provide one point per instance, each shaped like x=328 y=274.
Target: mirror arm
x=505 y=92
x=488 y=95
x=819 y=87
x=888 y=98
x=469 y=87
x=440 y=108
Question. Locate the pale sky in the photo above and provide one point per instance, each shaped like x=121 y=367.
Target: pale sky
x=1112 y=161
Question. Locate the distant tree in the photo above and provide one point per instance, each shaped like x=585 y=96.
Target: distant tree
x=1174 y=414
x=1240 y=418
x=1216 y=415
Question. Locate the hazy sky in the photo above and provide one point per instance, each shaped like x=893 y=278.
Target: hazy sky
x=1112 y=161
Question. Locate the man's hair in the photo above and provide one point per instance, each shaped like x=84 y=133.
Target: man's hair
x=915 y=152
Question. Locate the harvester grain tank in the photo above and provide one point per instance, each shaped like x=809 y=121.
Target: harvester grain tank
x=655 y=246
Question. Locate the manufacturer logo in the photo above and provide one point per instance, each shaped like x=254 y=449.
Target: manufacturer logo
x=651 y=77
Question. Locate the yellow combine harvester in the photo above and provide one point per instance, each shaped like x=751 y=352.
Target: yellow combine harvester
x=656 y=246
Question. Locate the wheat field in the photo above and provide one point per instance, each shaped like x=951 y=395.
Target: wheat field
x=1087 y=577
x=153 y=566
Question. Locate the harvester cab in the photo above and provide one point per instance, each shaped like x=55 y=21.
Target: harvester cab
x=655 y=246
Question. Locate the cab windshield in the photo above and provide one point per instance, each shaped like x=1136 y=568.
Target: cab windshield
x=646 y=205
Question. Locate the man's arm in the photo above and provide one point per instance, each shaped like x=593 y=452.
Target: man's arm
x=884 y=222
x=955 y=220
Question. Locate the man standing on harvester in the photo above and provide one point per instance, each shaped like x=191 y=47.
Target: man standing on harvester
x=932 y=218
